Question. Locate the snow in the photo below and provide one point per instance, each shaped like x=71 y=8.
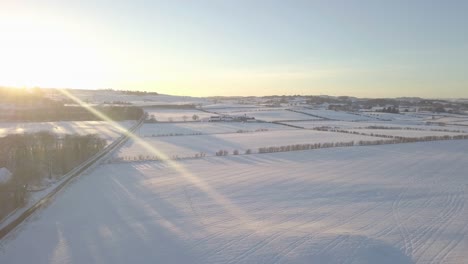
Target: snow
x=166 y=115
x=104 y=129
x=191 y=128
x=393 y=117
x=390 y=124
x=451 y=120
x=336 y=115
x=401 y=203
x=188 y=146
x=229 y=107
x=273 y=115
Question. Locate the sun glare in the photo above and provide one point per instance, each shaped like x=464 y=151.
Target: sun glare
x=40 y=53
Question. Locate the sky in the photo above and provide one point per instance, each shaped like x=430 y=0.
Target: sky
x=366 y=48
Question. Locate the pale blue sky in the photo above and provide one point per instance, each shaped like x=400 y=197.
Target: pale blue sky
x=223 y=47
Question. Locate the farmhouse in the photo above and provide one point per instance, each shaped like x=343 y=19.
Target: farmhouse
x=226 y=118
x=5 y=175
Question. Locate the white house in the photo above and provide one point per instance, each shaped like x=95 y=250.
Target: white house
x=5 y=175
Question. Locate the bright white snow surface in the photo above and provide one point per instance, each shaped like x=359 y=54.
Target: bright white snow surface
x=104 y=129
x=191 y=128
x=168 y=115
x=188 y=146
x=336 y=115
x=273 y=115
x=404 y=203
x=355 y=125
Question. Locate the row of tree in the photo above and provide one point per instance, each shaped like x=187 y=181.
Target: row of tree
x=34 y=157
x=387 y=139
x=152 y=118
x=297 y=147
x=390 y=109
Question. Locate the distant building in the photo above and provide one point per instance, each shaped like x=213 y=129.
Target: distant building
x=214 y=119
x=5 y=175
x=226 y=118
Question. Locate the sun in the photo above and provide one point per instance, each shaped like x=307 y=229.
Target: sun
x=39 y=53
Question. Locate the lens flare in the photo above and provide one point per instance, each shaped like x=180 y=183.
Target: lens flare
x=232 y=209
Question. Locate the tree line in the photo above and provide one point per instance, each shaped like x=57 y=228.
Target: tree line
x=386 y=139
x=32 y=158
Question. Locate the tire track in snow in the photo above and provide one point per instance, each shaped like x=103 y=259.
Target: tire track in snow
x=284 y=253
x=437 y=231
x=408 y=245
x=452 y=208
x=290 y=248
x=220 y=233
x=453 y=199
x=232 y=242
x=452 y=245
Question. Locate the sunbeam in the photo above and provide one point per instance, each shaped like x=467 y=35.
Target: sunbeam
x=235 y=211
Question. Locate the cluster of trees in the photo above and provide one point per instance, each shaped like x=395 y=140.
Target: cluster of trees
x=390 y=109
x=249 y=131
x=328 y=99
x=139 y=93
x=33 y=157
x=11 y=198
x=222 y=152
x=152 y=118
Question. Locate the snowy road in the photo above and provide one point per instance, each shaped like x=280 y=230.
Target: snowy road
x=403 y=203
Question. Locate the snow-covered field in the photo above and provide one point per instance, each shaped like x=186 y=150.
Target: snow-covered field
x=168 y=115
x=191 y=128
x=465 y=123
x=188 y=146
x=230 y=107
x=104 y=129
x=273 y=115
x=392 y=117
x=354 y=125
x=451 y=120
x=336 y=115
x=401 y=203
